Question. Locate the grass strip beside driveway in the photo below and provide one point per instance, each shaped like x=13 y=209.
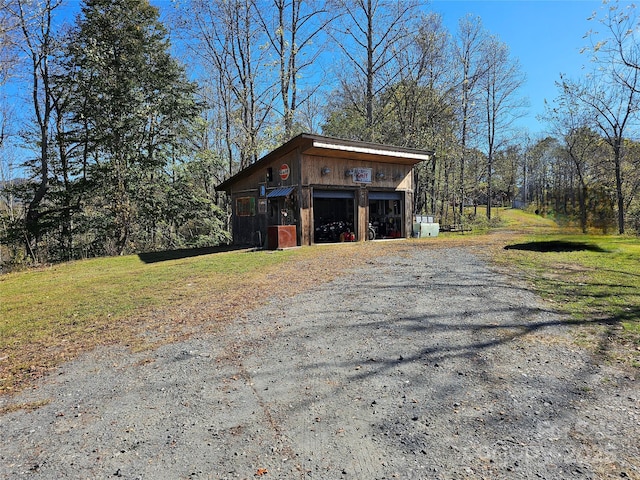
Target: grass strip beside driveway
x=51 y=314
x=593 y=278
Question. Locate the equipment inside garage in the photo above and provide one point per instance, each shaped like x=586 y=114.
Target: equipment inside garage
x=333 y=215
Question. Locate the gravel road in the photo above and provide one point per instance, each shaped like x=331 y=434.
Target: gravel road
x=423 y=364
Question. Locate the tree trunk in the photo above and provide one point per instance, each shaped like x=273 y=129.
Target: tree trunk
x=617 y=153
x=370 y=72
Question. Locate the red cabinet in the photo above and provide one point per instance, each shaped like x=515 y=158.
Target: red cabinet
x=281 y=236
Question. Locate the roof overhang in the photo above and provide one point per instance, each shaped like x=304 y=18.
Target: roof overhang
x=368 y=152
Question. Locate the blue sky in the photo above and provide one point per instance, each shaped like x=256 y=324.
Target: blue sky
x=545 y=35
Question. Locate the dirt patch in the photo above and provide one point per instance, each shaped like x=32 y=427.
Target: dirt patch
x=420 y=363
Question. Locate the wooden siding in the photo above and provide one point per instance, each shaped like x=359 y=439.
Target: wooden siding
x=396 y=177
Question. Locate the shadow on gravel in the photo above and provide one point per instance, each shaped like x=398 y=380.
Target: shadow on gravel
x=478 y=339
x=478 y=342
x=425 y=377
x=163 y=256
x=556 y=246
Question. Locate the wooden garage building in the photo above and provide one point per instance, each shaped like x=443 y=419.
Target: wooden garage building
x=316 y=189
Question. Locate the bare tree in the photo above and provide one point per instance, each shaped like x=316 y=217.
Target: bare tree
x=421 y=107
x=501 y=103
x=228 y=44
x=310 y=114
x=371 y=34
x=572 y=123
x=420 y=99
x=469 y=61
x=614 y=98
x=612 y=101
x=294 y=29
x=8 y=61
x=34 y=20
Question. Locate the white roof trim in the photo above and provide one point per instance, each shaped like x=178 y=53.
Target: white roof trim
x=373 y=151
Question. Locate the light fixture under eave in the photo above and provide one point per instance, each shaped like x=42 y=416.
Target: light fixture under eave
x=348 y=173
x=380 y=175
x=325 y=171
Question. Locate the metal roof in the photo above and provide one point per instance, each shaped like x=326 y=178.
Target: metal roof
x=280 y=192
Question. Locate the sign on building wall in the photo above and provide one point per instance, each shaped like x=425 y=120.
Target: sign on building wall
x=284 y=171
x=362 y=175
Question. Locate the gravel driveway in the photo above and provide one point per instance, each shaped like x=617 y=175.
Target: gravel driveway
x=425 y=364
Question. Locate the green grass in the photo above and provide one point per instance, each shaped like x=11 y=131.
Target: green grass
x=594 y=279
x=38 y=304
x=74 y=306
x=521 y=220
x=591 y=277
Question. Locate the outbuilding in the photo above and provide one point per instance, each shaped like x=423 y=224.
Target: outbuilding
x=317 y=189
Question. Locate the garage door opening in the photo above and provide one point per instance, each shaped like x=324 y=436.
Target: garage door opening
x=333 y=216
x=386 y=213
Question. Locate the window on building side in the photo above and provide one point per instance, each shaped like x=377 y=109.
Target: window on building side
x=246 y=206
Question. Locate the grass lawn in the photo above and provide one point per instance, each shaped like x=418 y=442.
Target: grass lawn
x=53 y=314
x=593 y=278
x=590 y=276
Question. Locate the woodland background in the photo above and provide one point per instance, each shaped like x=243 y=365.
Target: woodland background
x=134 y=115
